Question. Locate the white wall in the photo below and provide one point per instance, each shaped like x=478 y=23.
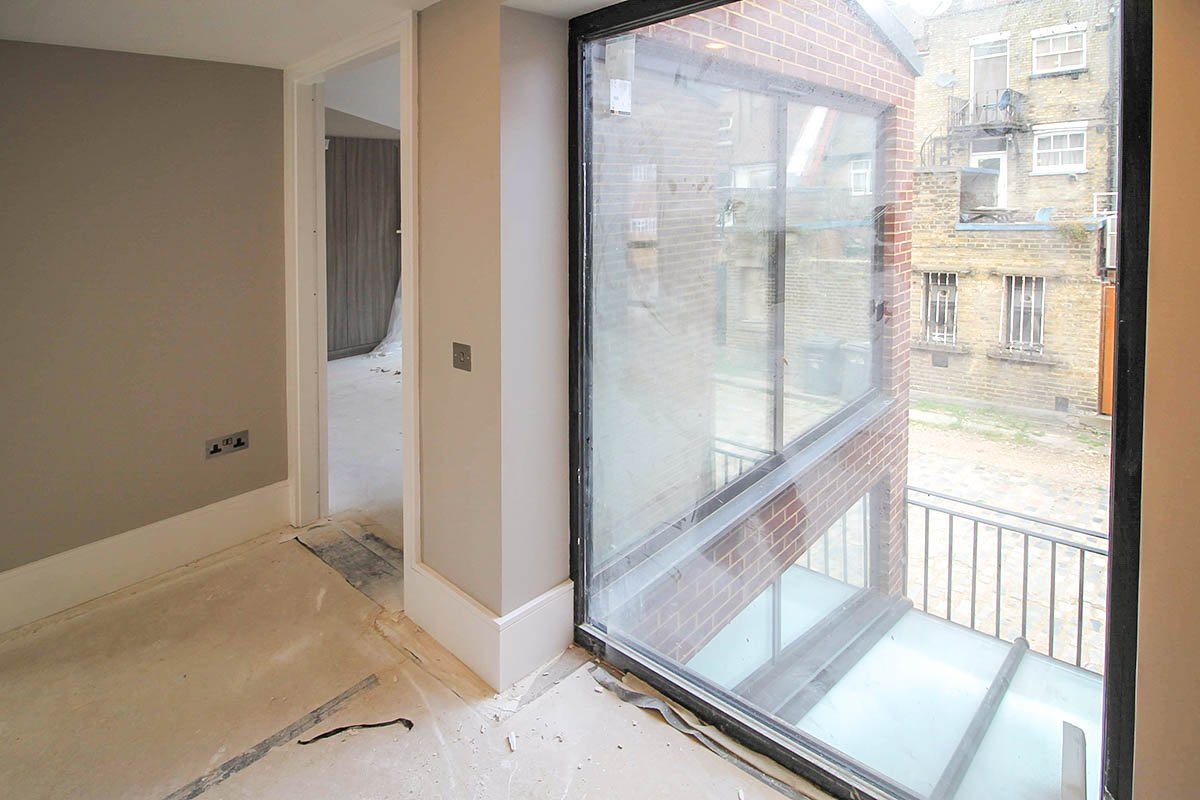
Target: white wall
x=370 y=91
x=493 y=238
x=533 y=298
x=459 y=240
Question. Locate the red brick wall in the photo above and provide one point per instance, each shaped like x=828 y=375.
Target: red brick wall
x=823 y=43
x=684 y=610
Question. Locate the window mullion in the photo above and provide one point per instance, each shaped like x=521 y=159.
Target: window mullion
x=779 y=268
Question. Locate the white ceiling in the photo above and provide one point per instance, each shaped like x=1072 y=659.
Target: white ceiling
x=370 y=91
x=560 y=8
x=269 y=33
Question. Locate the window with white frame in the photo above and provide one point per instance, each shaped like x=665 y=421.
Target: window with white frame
x=1023 y=314
x=1059 y=149
x=860 y=176
x=1059 y=49
x=941 y=307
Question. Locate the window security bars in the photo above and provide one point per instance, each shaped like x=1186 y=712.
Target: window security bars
x=941 y=307
x=1023 y=313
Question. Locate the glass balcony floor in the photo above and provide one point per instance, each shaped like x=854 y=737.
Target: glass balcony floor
x=907 y=703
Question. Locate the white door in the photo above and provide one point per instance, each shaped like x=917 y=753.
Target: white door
x=999 y=162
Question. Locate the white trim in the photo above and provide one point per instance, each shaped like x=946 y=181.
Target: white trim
x=304 y=176
x=365 y=47
x=973 y=159
x=304 y=260
x=1050 y=128
x=62 y=581
x=1074 y=125
x=1058 y=30
x=501 y=650
x=857 y=168
x=988 y=38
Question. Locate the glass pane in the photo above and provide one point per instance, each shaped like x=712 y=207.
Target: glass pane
x=829 y=276
x=743 y=645
x=828 y=428
x=991 y=75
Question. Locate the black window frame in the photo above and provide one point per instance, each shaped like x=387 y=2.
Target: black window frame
x=820 y=765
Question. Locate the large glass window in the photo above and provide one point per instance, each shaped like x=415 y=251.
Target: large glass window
x=821 y=484
x=735 y=287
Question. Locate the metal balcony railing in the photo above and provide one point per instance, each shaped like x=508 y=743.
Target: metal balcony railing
x=732 y=460
x=1009 y=575
x=1000 y=110
x=1001 y=572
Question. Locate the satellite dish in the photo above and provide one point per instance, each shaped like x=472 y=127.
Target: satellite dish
x=946 y=80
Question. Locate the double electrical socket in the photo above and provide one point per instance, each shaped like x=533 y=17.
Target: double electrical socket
x=227 y=444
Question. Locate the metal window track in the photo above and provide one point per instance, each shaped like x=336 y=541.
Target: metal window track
x=834 y=665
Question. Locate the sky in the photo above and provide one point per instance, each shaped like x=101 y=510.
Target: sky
x=924 y=7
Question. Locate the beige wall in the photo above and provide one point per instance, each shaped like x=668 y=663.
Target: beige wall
x=142 y=234
x=1168 y=700
x=459 y=189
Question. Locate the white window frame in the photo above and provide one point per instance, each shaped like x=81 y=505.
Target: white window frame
x=1040 y=131
x=989 y=38
x=1053 y=32
x=861 y=166
x=1002 y=182
x=1008 y=314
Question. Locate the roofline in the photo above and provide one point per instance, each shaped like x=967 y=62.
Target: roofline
x=879 y=14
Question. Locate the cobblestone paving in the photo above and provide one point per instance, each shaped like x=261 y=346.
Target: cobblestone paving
x=1053 y=467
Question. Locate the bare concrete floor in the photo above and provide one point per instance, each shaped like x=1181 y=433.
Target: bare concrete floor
x=175 y=688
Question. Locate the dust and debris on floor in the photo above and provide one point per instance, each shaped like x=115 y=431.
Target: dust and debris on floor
x=204 y=681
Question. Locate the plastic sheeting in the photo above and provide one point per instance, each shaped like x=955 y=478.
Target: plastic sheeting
x=391 y=343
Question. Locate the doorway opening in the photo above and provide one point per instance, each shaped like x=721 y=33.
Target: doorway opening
x=351 y=303
x=363 y=301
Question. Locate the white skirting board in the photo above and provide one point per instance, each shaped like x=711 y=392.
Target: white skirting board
x=501 y=650
x=64 y=580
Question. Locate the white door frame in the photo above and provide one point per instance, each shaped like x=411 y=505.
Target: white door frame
x=1002 y=181
x=304 y=208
